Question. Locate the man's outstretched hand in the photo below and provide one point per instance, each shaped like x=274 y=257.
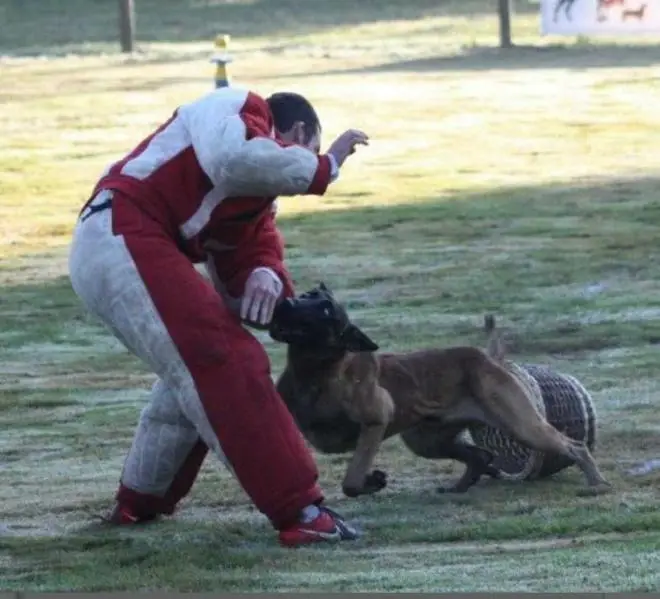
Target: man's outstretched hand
x=346 y=143
x=262 y=290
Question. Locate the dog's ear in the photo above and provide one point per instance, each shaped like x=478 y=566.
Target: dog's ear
x=323 y=288
x=354 y=340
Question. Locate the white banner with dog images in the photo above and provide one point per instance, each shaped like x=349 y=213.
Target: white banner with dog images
x=600 y=17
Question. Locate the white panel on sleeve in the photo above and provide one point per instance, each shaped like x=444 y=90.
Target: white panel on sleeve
x=165 y=145
x=262 y=167
x=236 y=166
x=206 y=120
x=256 y=167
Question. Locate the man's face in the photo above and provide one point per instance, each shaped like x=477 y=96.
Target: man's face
x=297 y=135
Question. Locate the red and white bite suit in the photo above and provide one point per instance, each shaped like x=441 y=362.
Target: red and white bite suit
x=209 y=174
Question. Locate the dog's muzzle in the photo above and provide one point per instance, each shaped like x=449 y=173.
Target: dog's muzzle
x=306 y=321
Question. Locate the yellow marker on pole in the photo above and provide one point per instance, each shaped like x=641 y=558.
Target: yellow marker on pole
x=221 y=59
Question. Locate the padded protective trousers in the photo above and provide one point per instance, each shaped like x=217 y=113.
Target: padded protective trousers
x=214 y=388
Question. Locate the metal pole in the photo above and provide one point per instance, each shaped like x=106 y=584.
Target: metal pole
x=504 y=13
x=127 y=25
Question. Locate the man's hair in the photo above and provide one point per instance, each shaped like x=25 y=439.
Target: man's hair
x=288 y=108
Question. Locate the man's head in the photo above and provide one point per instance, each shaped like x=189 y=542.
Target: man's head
x=296 y=120
x=316 y=321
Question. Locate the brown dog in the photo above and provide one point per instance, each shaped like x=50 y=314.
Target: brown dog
x=345 y=397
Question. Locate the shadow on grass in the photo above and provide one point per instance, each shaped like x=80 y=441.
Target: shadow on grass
x=574 y=268
x=560 y=56
x=37 y=312
x=571 y=57
x=35 y=27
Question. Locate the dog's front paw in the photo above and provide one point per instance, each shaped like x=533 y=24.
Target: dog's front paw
x=351 y=492
x=373 y=482
x=376 y=481
x=602 y=488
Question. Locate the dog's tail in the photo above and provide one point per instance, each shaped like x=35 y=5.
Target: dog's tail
x=494 y=347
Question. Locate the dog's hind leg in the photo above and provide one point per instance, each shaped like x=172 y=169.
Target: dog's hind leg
x=477 y=463
x=437 y=441
x=509 y=407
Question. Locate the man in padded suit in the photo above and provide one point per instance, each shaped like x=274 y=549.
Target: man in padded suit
x=201 y=189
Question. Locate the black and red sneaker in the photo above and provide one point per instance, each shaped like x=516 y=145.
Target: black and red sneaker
x=328 y=527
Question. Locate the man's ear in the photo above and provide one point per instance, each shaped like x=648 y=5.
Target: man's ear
x=299 y=135
x=354 y=340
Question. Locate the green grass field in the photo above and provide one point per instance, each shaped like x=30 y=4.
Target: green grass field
x=522 y=182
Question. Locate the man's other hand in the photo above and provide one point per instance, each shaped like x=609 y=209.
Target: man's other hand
x=345 y=144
